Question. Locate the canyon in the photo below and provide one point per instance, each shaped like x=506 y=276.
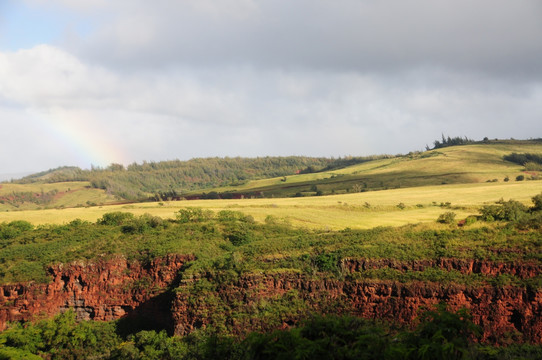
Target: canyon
x=156 y=292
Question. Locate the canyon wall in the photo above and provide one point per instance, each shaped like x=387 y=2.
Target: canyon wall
x=100 y=290
x=116 y=288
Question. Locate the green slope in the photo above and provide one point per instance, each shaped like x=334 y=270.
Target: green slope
x=465 y=164
x=453 y=165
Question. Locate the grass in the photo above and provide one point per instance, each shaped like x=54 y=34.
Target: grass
x=68 y=194
x=356 y=211
x=453 y=165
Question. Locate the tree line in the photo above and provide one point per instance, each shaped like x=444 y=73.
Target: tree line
x=174 y=177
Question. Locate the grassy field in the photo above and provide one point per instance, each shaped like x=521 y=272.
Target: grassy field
x=421 y=180
x=356 y=210
x=66 y=194
x=452 y=165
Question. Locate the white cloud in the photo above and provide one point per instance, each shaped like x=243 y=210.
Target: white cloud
x=162 y=80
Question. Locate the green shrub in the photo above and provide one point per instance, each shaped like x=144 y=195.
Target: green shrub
x=510 y=210
x=447 y=218
x=193 y=214
x=115 y=218
x=14 y=229
x=441 y=335
x=537 y=200
x=239 y=234
x=327 y=262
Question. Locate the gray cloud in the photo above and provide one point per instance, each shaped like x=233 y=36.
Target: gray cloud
x=242 y=77
x=498 y=37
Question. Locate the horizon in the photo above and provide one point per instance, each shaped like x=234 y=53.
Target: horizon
x=95 y=83
x=6 y=177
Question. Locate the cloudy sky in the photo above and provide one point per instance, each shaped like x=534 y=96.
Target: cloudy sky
x=95 y=82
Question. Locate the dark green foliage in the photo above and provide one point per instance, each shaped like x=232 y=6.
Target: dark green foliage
x=325 y=338
x=523 y=159
x=14 y=229
x=516 y=213
x=510 y=210
x=115 y=218
x=533 y=221
x=142 y=224
x=193 y=214
x=327 y=262
x=441 y=335
x=167 y=179
x=62 y=338
x=447 y=218
x=150 y=345
x=537 y=200
x=60 y=174
x=448 y=141
x=240 y=232
x=520 y=178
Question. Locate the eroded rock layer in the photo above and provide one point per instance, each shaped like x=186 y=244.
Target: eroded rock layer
x=116 y=288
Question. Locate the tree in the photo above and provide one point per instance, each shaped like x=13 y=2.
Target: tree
x=537 y=200
x=441 y=334
x=447 y=218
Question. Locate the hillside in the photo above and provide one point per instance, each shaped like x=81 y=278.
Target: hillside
x=269 y=177
x=474 y=163
x=173 y=178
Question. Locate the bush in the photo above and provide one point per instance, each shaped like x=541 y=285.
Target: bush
x=520 y=178
x=447 y=218
x=115 y=218
x=14 y=229
x=537 y=201
x=193 y=214
x=441 y=335
x=327 y=262
x=239 y=234
x=510 y=210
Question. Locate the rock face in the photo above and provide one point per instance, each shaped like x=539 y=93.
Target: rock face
x=522 y=270
x=502 y=312
x=101 y=290
x=115 y=288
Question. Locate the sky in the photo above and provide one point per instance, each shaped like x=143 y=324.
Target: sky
x=94 y=82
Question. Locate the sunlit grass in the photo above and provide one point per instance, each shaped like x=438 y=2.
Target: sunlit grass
x=459 y=164
x=69 y=194
x=356 y=211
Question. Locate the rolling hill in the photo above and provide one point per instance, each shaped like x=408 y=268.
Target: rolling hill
x=236 y=178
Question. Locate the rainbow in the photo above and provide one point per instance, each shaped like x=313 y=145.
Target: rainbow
x=89 y=145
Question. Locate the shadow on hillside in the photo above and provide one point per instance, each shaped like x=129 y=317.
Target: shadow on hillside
x=153 y=314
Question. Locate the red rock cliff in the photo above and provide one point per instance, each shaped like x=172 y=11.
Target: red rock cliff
x=115 y=288
x=101 y=290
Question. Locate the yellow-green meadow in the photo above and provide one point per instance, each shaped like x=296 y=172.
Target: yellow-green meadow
x=356 y=210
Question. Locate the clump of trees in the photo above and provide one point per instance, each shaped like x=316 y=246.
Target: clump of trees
x=167 y=179
x=449 y=141
x=447 y=218
x=515 y=212
x=529 y=160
